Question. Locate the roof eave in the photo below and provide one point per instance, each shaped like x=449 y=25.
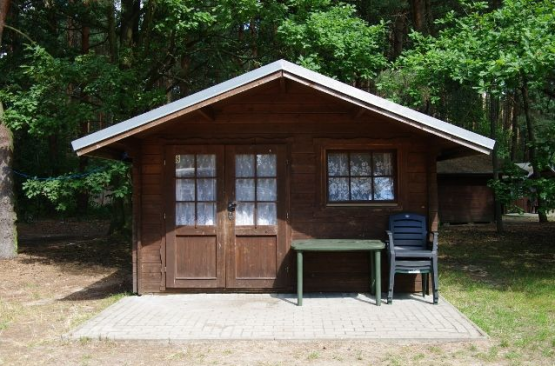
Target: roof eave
x=299 y=74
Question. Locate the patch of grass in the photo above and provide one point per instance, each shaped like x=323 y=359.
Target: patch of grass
x=419 y=357
x=505 y=283
x=314 y=355
x=8 y=313
x=175 y=356
x=84 y=340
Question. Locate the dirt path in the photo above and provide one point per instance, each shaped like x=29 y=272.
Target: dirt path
x=64 y=277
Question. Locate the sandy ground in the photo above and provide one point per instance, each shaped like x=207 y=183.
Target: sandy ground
x=64 y=276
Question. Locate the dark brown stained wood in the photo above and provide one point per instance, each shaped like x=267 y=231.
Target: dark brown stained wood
x=181 y=112
x=283 y=85
x=417 y=162
x=260 y=257
x=465 y=202
x=152 y=189
x=302 y=143
x=152 y=179
x=418 y=187
x=208 y=113
x=256 y=258
x=152 y=168
x=357 y=112
x=153 y=147
x=152 y=159
x=433 y=204
x=152 y=199
x=283 y=108
x=151 y=253
x=151 y=267
x=137 y=222
x=195 y=257
x=303 y=183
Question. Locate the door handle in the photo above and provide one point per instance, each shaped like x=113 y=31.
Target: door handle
x=231 y=206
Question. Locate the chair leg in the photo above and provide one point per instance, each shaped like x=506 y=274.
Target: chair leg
x=424 y=284
x=435 y=280
x=391 y=283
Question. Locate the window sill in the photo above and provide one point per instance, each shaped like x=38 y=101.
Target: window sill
x=376 y=204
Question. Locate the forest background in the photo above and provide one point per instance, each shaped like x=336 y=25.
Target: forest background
x=72 y=67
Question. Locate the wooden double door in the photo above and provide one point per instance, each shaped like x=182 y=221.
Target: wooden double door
x=226 y=217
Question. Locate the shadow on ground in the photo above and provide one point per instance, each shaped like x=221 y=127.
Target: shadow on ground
x=116 y=283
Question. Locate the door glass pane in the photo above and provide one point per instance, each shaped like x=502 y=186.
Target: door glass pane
x=244 y=165
x=266 y=189
x=383 y=164
x=360 y=164
x=206 y=165
x=206 y=214
x=338 y=164
x=361 y=189
x=244 y=189
x=266 y=214
x=244 y=214
x=185 y=213
x=185 y=190
x=184 y=166
x=266 y=165
x=338 y=189
x=206 y=189
x=383 y=189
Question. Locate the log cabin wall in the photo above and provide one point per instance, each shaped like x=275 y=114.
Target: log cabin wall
x=306 y=122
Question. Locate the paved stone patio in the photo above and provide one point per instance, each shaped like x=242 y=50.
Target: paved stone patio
x=276 y=316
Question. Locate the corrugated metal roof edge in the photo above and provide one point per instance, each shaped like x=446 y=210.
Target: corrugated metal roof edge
x=370 y=101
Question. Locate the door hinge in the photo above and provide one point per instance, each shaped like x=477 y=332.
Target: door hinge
x=164 y=216
x=287 y=215
x=287 y=269
x=287 y=162
x=164 y=270
x=164 y=162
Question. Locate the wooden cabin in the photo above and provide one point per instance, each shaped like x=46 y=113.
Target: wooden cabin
x=464 y=195
x=226 y=178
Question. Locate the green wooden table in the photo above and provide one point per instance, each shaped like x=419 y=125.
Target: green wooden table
x=374 y=247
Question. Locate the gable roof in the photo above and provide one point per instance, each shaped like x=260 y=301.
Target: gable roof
x=296 y=73
x=475 y=164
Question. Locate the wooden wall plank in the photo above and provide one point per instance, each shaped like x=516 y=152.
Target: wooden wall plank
x=272 y=117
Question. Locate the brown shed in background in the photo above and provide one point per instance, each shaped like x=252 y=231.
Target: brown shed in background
x=464 y=196
x=226 y=178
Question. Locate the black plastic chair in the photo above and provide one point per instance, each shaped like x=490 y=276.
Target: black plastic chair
x=409 y=251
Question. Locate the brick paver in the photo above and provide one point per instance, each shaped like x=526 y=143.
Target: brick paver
x=276 y=316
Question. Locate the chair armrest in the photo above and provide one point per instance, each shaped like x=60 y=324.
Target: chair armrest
x=389 y=243
x=435 y=235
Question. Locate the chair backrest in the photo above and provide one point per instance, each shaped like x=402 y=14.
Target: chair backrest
x=409 y=230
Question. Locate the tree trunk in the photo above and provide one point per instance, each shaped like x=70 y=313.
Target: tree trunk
x=514 y=126
x=493 y=118
x=399 y=34
x=110 y=12
x=130 y=11
x=8 y=231
x=83 y=197
x=419 y=17
x=536 y=173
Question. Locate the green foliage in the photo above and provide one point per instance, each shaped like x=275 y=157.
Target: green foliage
x=516 y=184
x=335 y=42
x=142 y=54
x=63 y=190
